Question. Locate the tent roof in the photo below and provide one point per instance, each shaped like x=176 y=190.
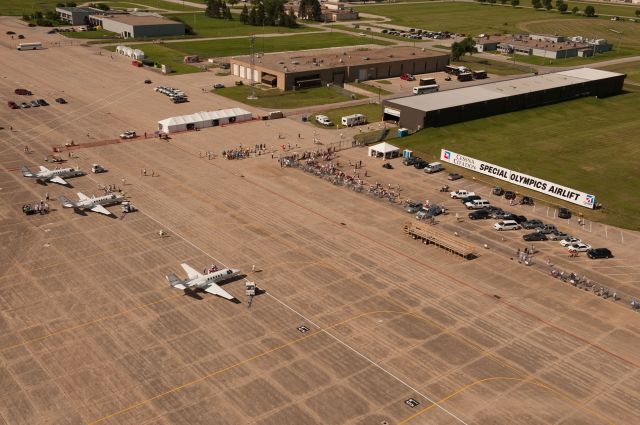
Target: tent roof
x=384 y=147
x=204 y=116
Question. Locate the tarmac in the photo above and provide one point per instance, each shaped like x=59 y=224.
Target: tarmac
x=356 y=323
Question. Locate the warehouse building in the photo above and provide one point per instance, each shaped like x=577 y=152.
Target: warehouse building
x=77 y=15
x=464 y=104
x=138 y=26
x=543 y=45
x=314 y=68
x=203 y=119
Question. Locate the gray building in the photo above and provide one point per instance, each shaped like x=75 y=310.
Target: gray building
x=136 y=26
x=464 y=104
x=77 y=15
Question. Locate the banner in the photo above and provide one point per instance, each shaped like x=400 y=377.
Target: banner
x=524 y=180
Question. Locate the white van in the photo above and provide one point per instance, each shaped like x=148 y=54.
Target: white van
x=355 y=119
x=434 y=167
x=506 y=225
x=477 y=204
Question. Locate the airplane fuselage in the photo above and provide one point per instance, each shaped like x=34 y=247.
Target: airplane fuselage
x=110 y=199
x=215 y=277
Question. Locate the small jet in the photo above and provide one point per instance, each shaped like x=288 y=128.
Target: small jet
x=92 y=204
x=53 y=176
x=204 y=282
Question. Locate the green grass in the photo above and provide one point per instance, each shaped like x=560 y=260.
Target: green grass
x=277 y=99
x=607 y=9
x=20 y=7
x=153 y=4
x=372 y=89
x=372 y=111
x=210 y=27
x=632 y=69
x=122 y=5
x=98 y=34
x=589 y=144
x=493 y=67
x=173 y=53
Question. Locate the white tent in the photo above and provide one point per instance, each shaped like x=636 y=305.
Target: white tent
x=203 y=120
x=384 y=150
x=137 y=54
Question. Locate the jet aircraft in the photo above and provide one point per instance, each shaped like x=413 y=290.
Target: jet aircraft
x=204 y=282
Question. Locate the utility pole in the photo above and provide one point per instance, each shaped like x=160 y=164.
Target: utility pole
x=252 y=48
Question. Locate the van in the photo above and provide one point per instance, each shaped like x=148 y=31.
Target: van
x=477 y=204
x=434 y=167
x=274 y=115
x=506 y=225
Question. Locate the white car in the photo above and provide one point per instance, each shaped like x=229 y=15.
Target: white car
x=459 y=194
x=128 y=135
x=324 y=120
x=569 y=241
x=506 y=225
x=579 y=247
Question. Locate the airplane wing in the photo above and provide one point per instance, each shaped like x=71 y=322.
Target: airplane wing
x=100 y=209
x=179 y=286
x=43 y=169
x=58 y=180
x=82 y=196
x=191 y=272
x=216 y=290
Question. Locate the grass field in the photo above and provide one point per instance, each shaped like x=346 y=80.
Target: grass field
x=277 y=99
x=372 y=111
x=155 y=4
x=372 y=89
x=492 y=67
x=20 y=7
x=94 y=35
x=173 y=53
x=632 y=70
x=588 y=144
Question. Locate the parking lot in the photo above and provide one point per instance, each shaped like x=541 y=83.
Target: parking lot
x=358 y=323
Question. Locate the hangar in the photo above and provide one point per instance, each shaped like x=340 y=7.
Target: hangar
x=138 y=26
x=464 y=104
x=203 y=120
x=313 y=68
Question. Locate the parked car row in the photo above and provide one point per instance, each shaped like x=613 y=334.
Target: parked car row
x=176 y=96
x=24 y=105
x=419 y=34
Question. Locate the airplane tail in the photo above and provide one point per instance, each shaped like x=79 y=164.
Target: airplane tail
x=66 y=203
x=26 y=172
x=173 y=279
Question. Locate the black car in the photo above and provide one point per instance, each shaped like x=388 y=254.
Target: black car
x=536 y=236
x=498 y=191
x=564 y=213
x=482 y=214
x=454 y=176
x=517 y=218
x=469 y=198
x=599 y=253
x=61 y=100
x=147 y=81
x=42 y=102
x=526 y=200
x=532 y=224
x=411 y=161
x=509 y=195
x=420 y=164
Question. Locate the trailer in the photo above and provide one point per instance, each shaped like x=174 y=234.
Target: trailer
x=479 y=75
x=355 y=119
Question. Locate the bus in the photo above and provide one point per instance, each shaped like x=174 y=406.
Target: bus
x=426 y=89
x=29 y=46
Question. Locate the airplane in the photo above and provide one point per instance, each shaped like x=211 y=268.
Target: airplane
x=53 y=176
x=207 y=282
x=92 y=204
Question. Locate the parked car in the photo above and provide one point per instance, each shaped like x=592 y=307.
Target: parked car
x=420 y=164
x=23 y=92
x=218 y=86
x=547 y=228
x=557 y=235
x=498 y=191
x=469 y=198
x=413 y=207
x=25 y=105
x=97 y=168
x=517 y=218
x=564 y=213
x=509 y=195
x=42 y=102
x=13 y=105
x=532 y=224
x=501 y=214
x=569 y=240
x=459 y=194
x=454 y=176
x=324 y=120
x=407 y=77
x=34 y=103
x=410 y=161
x=482 y=214
x=595 y=253
x=526 y=200
x=579 y=247
x=506 y=225
x=61 y=100
x=128 y=134
x=179 y=99
x=535 y=236
x=147 y=81
x=477 y=204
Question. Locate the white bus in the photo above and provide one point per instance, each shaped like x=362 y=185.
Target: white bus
x=432 y=88
x=29 y=46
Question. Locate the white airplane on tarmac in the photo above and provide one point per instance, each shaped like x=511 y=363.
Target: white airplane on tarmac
x=204 y=282
x=53 y=176
x=92 y=204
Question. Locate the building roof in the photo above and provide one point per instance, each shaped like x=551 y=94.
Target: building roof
x=466 y=95
x=140 y=20
x=80 y=9
x=204 y=116
x=526 y=42
x=330 y=58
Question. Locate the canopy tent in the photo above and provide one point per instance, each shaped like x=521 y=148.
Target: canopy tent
x=203 y=119
x=384 y=150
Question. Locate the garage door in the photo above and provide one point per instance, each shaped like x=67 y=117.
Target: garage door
x=235 y=69
x=391 y=115
x=362 y=74
x=242 y=71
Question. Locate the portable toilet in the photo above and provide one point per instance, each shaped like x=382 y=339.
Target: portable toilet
x=402 y=132
x=407 y=153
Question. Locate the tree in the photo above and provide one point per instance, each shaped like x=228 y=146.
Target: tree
x=232 y=2
x=515 y=3
x=547 y=4
x=537 y=4
x=492 y=2
x=563 y=7
x=292 y=18
x=575 y=10
x=637 y=12
x=590 y=11
x=244 y=15
x=503 y=1
x=260 y=14
x=227 y=13
x=459 y=49
x=71 y=4
x=253 y=16
x=316 y=10
x=59 y=4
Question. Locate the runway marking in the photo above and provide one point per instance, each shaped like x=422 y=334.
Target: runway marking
x=501 y=378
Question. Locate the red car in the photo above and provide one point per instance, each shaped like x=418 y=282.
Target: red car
x=13 y=105
x=23 y=92
x=407 y=77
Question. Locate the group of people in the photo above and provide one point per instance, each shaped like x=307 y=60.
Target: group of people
x=112 y=188
x=525 y=256
x=41 y=207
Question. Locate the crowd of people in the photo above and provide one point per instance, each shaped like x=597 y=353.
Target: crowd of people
x=41 y=207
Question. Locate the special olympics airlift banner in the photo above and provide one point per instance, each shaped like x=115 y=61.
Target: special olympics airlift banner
x=524 y=180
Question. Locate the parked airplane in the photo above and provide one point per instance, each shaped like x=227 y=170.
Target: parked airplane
x=92 y=204
x=53 y=176
x=207 y=282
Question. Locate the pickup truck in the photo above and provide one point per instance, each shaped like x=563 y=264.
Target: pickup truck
x=459 y=194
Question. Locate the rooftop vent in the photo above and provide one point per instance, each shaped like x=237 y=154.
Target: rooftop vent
x=364 y=58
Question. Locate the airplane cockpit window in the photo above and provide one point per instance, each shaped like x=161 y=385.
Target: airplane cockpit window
x=229 y=272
